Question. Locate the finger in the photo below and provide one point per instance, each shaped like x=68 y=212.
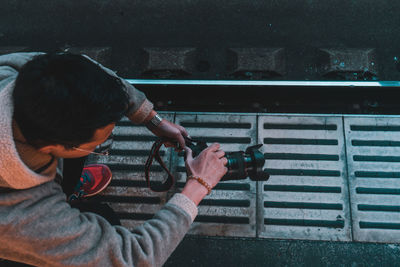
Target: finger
x=224 y=161
x=220 y=153
x=181 y=141
x=214 y=147
x=183 y=131
x=188 y=154
x=225 y=170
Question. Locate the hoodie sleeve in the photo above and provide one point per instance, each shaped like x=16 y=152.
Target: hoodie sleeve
x=139 y=106
x=10 y=64
x=39 y=228
x=15 y=61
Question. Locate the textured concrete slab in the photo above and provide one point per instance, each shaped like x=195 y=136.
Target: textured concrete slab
x=333 y=177
x=230 y=210
x=306 y=196
x=373 y=153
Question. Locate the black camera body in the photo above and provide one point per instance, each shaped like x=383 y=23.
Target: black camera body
x=240 y=164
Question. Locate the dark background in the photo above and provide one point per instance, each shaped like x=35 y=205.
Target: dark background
x=210 y=26
x=302 y=28
x=126 y=28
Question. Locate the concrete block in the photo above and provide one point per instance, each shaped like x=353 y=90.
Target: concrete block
x=99 y=54
x=349 y=63
x=168 y=62
x=257 y=63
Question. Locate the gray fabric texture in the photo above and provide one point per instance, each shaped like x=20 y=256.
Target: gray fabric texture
x=38 y=227
x=139 y=106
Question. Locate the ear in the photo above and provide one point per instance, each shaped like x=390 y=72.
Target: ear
x=49 y=149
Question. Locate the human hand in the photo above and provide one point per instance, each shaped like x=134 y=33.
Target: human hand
x=209 y=165
x=172 y=131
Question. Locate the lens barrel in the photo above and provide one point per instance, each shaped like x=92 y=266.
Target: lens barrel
x=237 y=168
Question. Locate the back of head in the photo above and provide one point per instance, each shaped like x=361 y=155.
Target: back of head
x=64 y=98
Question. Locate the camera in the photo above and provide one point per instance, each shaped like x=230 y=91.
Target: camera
x=240 y=164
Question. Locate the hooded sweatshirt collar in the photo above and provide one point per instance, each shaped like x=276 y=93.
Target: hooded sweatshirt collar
x=14 y=173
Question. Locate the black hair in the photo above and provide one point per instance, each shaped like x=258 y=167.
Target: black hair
x=63 y=98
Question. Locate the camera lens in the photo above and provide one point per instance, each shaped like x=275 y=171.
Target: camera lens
x=240 y=164
x=246 y=164
x=236 y=166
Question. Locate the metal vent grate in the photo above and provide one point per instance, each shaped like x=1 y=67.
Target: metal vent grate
x=306 y=196
x=230 y=210
x=373 y=149
x=127 y=193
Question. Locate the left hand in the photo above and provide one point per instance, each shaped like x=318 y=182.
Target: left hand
x=173 y=131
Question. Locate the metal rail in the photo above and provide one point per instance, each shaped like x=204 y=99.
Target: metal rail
x=268 y=83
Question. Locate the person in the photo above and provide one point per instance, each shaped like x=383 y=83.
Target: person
x=62 y=106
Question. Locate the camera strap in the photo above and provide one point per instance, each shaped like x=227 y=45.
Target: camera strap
x=155 y=154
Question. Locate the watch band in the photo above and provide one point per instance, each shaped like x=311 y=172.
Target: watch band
x=154 y=122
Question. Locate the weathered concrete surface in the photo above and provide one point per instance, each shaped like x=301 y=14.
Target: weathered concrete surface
x=203 y=251
x=349 y=64
x=301 y=27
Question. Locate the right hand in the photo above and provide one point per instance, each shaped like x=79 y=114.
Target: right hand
x=208 y=165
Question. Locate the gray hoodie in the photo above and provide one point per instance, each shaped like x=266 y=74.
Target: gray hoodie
x=37 y=225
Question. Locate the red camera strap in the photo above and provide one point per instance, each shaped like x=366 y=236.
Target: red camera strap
x=155 y=154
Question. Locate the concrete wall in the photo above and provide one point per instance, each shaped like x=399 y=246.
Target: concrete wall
x=301 y=28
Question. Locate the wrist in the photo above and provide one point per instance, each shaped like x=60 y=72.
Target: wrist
x=153 y=120
x=194 y=191
x=150 y=116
